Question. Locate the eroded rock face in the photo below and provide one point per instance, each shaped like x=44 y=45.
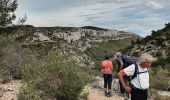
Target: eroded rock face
x=72 y=41
x=40 y=37
x=71 y=36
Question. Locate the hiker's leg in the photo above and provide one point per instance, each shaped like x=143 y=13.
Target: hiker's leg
x=109 y=82
x=105 y=82
x=109 y=85
x=121 y=88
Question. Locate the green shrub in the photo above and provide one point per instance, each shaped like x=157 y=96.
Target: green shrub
x=55 y=77
x=159 y=78
x=138 y=41
x=28 y=92
x=4 y=74
x=152 y=42
x=12 y=56
x=159 y=53
x=160 y=62
x=159 y=41
x=135 y=54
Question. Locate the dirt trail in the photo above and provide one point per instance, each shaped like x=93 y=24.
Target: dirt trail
x=98 y=94
x=10 y=90
x=95 y=91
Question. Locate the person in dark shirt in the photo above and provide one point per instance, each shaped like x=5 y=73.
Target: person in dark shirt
x=120 y=67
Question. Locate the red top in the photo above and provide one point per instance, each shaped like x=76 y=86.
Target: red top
x=107 y=67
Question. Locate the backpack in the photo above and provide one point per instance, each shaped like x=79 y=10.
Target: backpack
x=127 y=61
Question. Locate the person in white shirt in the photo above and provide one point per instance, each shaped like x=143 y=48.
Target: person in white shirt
x=140 y=83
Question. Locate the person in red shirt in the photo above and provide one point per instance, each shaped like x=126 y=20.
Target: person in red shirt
x=107 y=68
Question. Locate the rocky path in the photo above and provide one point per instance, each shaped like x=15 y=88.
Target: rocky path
x=95 y=91
x=98 y=94
x=10 y=90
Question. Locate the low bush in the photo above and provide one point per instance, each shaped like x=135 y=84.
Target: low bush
x=159 y=78
x=13 y=56
x=4 y=74
x=55 y=77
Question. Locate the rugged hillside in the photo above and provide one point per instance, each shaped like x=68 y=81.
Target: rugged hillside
x=49 y=71
x=85 y=44
x=157 y=44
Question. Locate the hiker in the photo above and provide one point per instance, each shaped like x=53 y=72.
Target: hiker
x=107 y=68
x=120 y=63
x=139 y=83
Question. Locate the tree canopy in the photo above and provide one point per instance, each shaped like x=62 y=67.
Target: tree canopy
x=7 y=8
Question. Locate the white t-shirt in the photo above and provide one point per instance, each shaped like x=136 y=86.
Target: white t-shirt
x=142 y=80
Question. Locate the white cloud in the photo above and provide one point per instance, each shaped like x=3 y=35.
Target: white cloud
x=154 y=5
x=139 y=16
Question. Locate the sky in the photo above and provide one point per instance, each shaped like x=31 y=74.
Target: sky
x=136 y=16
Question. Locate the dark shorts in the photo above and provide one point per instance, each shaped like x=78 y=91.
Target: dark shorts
x=139 y=94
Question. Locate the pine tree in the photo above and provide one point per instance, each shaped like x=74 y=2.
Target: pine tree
x=7 y=8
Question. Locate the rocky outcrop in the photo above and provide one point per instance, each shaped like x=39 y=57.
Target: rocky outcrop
x=80 y=33
x=40 y=37
x=72 y=41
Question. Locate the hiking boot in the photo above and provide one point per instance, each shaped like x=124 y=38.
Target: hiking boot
x=105 y=93
x=109 y=94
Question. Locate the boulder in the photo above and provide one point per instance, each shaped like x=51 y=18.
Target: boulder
x=163 y=95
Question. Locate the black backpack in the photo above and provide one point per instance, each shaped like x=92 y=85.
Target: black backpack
x=127 y=61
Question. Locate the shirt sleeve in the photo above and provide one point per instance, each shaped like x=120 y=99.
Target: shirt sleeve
x=130 y=70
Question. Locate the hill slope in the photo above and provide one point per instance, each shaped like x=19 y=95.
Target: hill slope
x=156 y=44
x=86 y=44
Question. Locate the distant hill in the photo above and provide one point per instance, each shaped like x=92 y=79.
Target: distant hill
x=87 y=44
x=94 y=28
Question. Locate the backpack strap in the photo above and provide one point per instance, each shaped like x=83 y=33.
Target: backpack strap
x=142 y=72
x=137 y=71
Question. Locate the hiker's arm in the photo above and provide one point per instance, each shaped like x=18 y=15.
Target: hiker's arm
x=121 y=76
x=121 y=65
